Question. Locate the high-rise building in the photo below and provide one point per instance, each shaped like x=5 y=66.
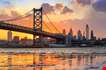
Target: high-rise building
x=87 y=32
x=84 y=38
x=69 y=38
x=64 y=32
x=92 y=34
x=71 y=32
x=9 y=36
x=79 y=35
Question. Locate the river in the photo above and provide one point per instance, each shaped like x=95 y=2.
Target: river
x=90 y=58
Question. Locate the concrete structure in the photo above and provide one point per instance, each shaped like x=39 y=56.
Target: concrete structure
x=64 y=32
x=71 y=31
x=69 y=39
x=16 y=39
x=79 y=35
x=87 y=32
x=9 y=36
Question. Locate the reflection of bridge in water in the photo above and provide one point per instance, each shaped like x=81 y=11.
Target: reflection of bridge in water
x=27 y=60
x=36 y=58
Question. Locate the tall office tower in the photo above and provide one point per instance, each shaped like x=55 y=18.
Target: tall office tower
x=9 y=36
x=64 y=32
x=87 y=32
x=79 y=35
x=71 y=32
x=84 y=38
x=69 y=38
x=92 y=35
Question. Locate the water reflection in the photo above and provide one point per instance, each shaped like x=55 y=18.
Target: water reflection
x=51 y=61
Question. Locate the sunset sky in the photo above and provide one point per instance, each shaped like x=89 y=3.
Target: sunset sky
x=64 y=14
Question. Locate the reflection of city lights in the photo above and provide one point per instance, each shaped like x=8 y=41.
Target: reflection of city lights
x=50 y=62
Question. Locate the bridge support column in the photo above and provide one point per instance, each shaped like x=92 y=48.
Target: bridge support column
x=37 y=22
x=34 y=40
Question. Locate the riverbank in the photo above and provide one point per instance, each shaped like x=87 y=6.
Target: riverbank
x=96 y=49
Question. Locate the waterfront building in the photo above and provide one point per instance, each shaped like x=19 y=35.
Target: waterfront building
x=9 y=36
x=26 y=41
x=87 y=32
x=71 y=32
x=69 y=38
x=16 y=39
x=64 y=32
x=74 y=37
x=79 y=35
x=83 y=37
x=92 y=35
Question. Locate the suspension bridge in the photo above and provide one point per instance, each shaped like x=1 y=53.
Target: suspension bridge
x=37 y=29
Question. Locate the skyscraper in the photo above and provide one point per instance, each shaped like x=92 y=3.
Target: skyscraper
x=71 y=32
x=69 y=38
x=9 y=36
x=79 y=35
x=64 y=32
x=87 y=32
x=92 y=34
x=84 y=38
x=93 y=37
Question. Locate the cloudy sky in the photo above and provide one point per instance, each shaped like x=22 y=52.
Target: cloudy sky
x=65 y=14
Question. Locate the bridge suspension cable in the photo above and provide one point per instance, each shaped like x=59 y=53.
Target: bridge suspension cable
x=52 y=23
x=18 y=17
x=48 y=27
x=27 y=14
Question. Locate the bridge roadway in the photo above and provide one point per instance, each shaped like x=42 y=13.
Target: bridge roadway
x=12 y=27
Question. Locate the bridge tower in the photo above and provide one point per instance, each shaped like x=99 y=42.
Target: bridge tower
x=37 y=22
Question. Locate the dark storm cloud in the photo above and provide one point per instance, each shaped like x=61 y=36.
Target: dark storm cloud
x=67 y=10
x=47 y=8
x=100 y=5
x=84 y=2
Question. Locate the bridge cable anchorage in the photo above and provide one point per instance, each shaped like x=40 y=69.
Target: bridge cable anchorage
x=52 y=24
x=18 y=17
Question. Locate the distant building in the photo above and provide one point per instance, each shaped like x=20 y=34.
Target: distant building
x=74 y=37
x=69 y=38
x=26 y=41
x=9 y=36
x=64 y=32
x=71 y=32
x=87 y=32
x=79 y=35
x=16 y=39
x=83 y=37
x=92 y=35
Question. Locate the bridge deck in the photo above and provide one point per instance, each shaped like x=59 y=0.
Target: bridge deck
x=13 y=27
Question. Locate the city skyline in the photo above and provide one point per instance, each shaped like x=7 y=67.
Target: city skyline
x=78 y=12
x=87 y=34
